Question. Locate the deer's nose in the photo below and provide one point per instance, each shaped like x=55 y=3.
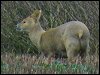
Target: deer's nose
x=18 y=27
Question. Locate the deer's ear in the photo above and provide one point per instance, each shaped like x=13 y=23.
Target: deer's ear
x=36 y=15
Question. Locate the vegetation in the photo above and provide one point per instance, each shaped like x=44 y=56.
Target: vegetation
x=17 y=51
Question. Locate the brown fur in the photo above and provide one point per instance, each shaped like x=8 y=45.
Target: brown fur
x=69 y=39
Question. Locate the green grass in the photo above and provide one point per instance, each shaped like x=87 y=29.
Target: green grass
x=54 y=13
x=27 y=64
x=55 y=68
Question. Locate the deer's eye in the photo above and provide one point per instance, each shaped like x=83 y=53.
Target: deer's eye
x=24 y=22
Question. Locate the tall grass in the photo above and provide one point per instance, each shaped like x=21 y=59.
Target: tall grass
x=27 y=64
x=54 y=13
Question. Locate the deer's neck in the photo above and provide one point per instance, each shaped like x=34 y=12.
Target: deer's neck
x=35 y=34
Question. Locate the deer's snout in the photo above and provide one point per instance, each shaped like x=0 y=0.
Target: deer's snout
x=18 y=27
